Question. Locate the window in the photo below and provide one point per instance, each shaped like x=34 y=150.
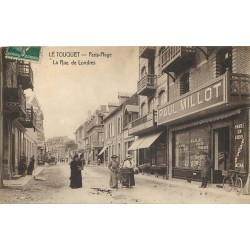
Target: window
x=223 y=61
x=143 y=72
x=184 y=84
x=143 y=109
x=189 y=147
x=119 y=125
x=161 y=97
x=150 y=105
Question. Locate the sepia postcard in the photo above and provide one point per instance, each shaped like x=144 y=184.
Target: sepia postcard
x=125 y=125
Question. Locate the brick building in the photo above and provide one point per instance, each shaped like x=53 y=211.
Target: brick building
x=201 y=96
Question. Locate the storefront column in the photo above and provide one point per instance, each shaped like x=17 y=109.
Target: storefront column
x=170 y=153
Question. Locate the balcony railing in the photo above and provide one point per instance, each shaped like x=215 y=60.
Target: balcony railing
x=30 y=120
x=147 y=51
x=142 y=124
x=25 y=75
x=175 y=58
x=97 y=144
x=15 y=101
x=147 y=85
x=239 y=85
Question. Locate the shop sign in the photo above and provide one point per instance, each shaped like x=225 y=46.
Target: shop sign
x=205 y=98
x=239 y=146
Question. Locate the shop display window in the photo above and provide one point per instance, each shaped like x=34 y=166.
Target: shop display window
x=190 y=147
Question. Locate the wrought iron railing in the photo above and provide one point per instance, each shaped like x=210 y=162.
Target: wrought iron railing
x=239 y=84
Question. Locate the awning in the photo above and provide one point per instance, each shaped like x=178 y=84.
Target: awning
x=149 y=140
x=102 y=151
x=136 y=144
x=144 y=141
x=209 y=119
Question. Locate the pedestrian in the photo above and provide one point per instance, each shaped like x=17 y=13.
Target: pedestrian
x=205 y=170
x=76 y=174
x=31 y=165
x=82 y=161
x=114 y=167
x=128 y=178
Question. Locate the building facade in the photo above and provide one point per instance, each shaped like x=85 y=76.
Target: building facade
x=200 y=96
x=56 y=147
x=17 y=76
x=117 y=139
x=32 y=102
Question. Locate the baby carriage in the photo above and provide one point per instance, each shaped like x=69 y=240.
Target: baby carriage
x=126 y=177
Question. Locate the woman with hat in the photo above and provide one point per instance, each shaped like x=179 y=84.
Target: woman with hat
x=114 y=167
x=128 y=179
x=76 y=174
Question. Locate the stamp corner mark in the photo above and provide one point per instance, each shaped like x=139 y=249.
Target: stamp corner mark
x=31 y=54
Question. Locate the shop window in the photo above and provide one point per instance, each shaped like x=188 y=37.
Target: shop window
x=190 y=148
x=161 y=97
x=160 y=154
x=184 y=84
x=143 y=109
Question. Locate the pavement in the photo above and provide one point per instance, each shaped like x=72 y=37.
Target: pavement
x=23 y=181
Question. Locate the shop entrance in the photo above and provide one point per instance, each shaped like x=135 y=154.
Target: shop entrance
x=221 y=152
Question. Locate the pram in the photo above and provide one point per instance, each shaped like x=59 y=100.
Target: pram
x=126 y=177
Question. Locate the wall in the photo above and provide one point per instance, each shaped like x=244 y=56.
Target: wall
x=1 y=120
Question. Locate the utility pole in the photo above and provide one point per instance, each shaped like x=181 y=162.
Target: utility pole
x=1 y=119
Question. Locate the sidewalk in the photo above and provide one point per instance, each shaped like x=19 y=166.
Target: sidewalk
x=194 y=185
x=22 y=181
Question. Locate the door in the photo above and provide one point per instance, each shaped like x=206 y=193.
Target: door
x=221 y=152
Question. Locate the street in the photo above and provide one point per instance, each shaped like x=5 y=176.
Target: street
x=52 y=187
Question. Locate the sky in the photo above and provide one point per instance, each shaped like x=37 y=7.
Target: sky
x=66 y=92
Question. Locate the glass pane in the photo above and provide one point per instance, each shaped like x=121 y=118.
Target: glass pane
x=182 y=150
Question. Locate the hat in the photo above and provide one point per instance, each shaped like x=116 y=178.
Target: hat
x=114 y=156
x=128 y=156
x=75 y=156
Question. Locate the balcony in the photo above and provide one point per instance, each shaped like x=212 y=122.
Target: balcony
x=30 y=120
x=177 y=58
x=142 y=125
x=147 y=51
x=25 y=75
x=239 y=88
x=14 y=102
x=98 y=144
x=147 y=85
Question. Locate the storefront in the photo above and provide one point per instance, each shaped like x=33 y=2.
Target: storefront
x=222 y=137
x=151 y=152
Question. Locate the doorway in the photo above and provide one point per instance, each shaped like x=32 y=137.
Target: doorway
x=221 y=152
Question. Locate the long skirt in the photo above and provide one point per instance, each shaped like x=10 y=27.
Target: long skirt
x=113 y=181
x=76 y=179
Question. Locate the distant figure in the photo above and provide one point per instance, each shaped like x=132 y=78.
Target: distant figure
x=31 y=165
x=205 y=170
x=22 y=165
x=114 y=167
x=98 y=161
x=76 y=175
x=81 y=161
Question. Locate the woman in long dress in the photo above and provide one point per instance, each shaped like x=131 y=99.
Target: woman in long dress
x=128 y=178
x=114 y=167
x=76 y=174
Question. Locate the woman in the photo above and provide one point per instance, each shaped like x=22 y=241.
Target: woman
x=31 y=165
x=128 y=180
x=76 y=175
x=114 y=167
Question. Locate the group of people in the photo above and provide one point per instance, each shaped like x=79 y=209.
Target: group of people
x=127 y=178
x=124 y=173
